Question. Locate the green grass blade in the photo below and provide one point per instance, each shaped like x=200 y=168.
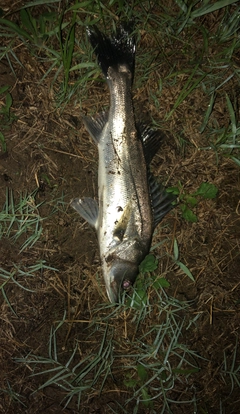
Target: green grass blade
x=186 y=270
x=232 y=118
x=7 y=301
x=210 y=8
x=208 y=113
x=3 y=142
x=190 y=85
x=38 y=3
x=16 y=29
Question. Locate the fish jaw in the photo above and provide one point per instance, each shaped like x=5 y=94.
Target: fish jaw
x=119 y=276
x=120 y=265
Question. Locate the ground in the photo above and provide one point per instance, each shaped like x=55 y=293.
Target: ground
x=62 y=305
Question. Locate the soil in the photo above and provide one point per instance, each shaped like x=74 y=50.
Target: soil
x=51 y=156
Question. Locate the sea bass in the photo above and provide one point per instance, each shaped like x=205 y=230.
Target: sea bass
x=130 y=202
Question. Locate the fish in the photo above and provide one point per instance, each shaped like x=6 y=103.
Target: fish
x=131 y=203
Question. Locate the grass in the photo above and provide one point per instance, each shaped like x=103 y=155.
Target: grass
x=21 y=219
x=232 y=369
x=59 y=41
x=155 y=363
x=14 y=396
x=186 y=66
x=188 y=202
x=6 y=115
x=226 y=138
x=18 y=275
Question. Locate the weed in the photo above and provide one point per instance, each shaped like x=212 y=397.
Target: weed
x=155 y=372
x=67 y=50
x=191 y=84
x=226 y=139
x=3 y=143
x=189 y=201
x=21 y=219
x=17 y=275
x=182 y=266
x=14 y=396
x=192 y=11
x=75 y=377
x=153 y=364
x=231 y=370
x=6 y=115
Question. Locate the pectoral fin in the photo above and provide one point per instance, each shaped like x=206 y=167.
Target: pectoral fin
x=87 y=208
x=95 y=125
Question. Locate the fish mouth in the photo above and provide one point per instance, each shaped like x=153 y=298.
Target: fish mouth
x=121 y=277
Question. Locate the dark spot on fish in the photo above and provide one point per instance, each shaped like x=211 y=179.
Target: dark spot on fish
x=109 y=258
x=111 y=172
x=119 y=208
x=119 y=234
x=119 y=172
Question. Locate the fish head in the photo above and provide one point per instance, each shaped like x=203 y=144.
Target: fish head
x=121 y=268
x=121 y=276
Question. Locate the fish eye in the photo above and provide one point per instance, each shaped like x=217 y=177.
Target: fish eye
x=126 y=284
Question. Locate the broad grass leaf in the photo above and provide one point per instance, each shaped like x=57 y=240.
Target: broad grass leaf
x=173 y=190
x=149 y=264
x=181 y=371
x=142 y=372
x=188 y=214
x=131 y=383
x=186 y=270
x=3 y=142
x=175 y=250
x=160 y=283
x=192 y=201
x=146 y=398
x=207 y=191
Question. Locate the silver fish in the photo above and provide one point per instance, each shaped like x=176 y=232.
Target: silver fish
x=130 y=202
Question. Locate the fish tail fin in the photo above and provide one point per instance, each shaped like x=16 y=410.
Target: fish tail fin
x=115 y=52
